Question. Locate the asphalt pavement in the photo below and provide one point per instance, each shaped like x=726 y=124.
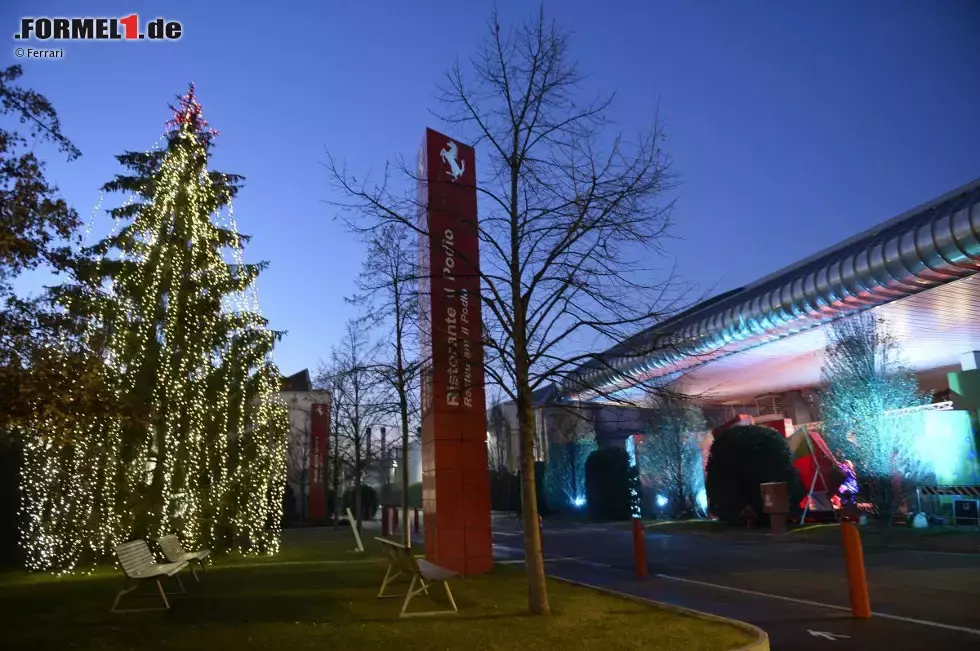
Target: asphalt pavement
x=796 y=592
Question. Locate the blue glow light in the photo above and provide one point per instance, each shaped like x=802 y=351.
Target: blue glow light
x=703 y=499
x=661 y=501
x=578 y=501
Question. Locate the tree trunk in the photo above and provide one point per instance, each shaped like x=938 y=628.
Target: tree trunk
x=403 y=412
x=537 y=587
x=357 y=488
x=335 y=507
x=406 y=529
x=303 y=489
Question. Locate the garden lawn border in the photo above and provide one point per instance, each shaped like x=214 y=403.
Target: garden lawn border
x=761 y=642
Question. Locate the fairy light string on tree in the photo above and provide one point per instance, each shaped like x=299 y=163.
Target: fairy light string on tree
x=171 y=306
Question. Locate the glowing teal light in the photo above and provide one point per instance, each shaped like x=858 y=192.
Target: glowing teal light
x=578 y=502
x=947 y=446
x=661 y=501
x=703 y=499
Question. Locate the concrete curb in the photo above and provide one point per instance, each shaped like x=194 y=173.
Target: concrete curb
x=761 y=642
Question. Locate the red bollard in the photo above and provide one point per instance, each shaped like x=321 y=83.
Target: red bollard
x=416 y=520
x=394 y=520
x=384 y=521
x=639 y=548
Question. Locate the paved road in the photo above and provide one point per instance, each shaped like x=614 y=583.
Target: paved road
x=747 y=580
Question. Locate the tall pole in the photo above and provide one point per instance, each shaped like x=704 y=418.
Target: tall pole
x=336 y=470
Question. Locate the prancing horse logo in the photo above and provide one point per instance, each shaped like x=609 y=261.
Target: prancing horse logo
x=451 y=155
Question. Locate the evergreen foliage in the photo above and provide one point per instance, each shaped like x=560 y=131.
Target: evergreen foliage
x=571 y=440
x=611 y=485
x=741 y=459
x=670 y=455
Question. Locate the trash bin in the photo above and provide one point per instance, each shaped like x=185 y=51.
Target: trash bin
x=775 y=502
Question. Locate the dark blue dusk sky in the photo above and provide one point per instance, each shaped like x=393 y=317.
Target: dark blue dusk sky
x=793 y=125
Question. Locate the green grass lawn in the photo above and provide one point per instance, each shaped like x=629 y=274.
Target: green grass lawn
x=319 y=594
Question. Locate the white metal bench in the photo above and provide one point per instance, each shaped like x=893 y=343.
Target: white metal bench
x=174 y=552
x=139 y=565
x=402 y=561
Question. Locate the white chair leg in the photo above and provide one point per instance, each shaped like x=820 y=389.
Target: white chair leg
x=163 y=595
x=408 y=596
x=119 y=595
x=388 y=580
x=449 y=594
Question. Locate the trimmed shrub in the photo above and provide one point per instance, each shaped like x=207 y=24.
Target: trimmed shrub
x=741 y=458
x=611 y=485
x=505 y=491
x=415 y=495
x=369 y=501
x=391 y=495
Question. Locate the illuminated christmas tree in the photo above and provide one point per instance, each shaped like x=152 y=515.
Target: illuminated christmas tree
x=172 y=308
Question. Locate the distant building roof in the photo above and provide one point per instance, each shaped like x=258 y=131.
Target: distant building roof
x=298 y=381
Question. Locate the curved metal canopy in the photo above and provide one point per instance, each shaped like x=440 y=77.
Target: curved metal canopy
x=931 y=245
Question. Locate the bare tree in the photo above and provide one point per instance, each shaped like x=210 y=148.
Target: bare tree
x=358 y=403
x=328 y=379
x=298 y=455
x=571 y=216
x=671 y=454
x=389 y=289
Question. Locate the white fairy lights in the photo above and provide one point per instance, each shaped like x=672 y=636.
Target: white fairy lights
x=182 y=333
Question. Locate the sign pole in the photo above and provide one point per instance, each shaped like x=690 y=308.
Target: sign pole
x=353 y=527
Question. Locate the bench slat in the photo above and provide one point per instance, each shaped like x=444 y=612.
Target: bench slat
x=135 y=558
x=432 y=572
x=175 y=552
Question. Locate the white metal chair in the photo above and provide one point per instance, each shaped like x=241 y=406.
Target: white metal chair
x=175 y=553
x=139 y=566
x=401 y=560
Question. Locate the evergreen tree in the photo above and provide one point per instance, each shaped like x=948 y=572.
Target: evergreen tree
x=172 y=309
x=572 y=439
x=670 y=455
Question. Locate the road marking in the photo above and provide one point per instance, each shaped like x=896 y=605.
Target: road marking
x=507 y=533
x=571 y=559
x=505 y=548
x=547 y=559
x=827 y=635
x=590 y=563
x=911 y=620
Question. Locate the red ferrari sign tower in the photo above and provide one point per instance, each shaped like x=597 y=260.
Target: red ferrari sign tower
x=455 y=476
